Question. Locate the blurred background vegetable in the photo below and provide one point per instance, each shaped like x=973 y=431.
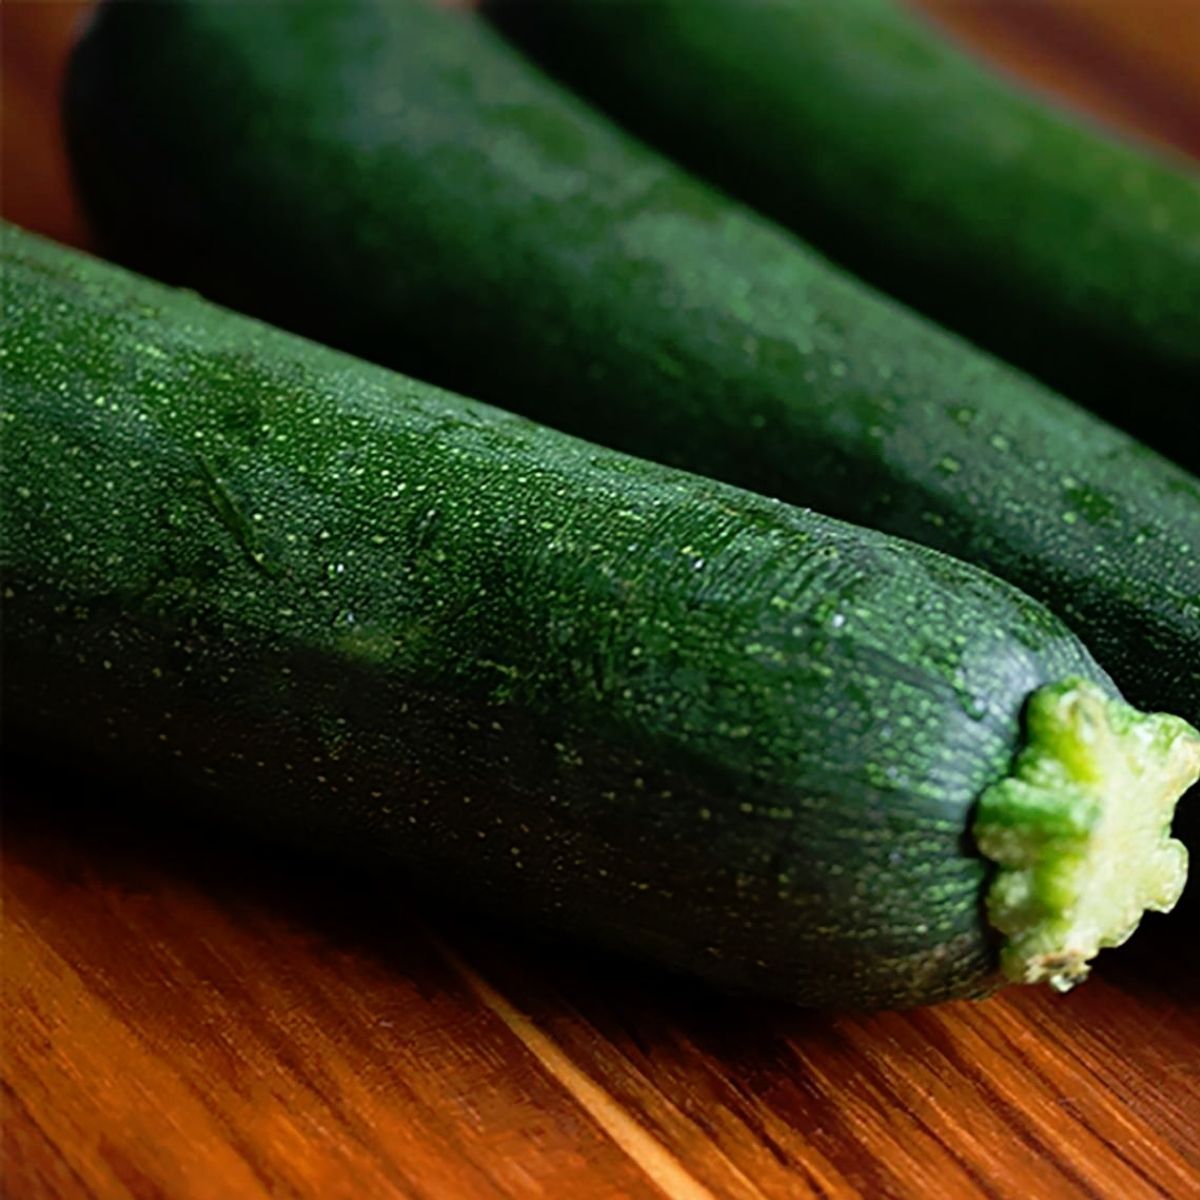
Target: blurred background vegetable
x=1132 y=65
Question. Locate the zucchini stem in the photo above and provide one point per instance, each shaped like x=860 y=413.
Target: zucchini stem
x=1081 y=830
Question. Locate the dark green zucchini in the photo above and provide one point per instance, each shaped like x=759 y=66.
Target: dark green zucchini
x=397 y=180
x=302 y=593
x=863 y=128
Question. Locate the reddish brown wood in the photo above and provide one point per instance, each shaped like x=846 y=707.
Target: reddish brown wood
x=1135 y=64
x=34 y=180
x=196 y=1022
x=187 y=1018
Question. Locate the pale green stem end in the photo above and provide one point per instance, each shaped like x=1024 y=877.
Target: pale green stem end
x=1081 y=830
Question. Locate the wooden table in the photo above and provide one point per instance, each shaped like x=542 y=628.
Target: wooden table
x=187 y=1018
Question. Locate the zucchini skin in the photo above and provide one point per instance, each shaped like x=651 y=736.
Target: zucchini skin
x=298 y=592
x=412 y=190
x=1070 y=253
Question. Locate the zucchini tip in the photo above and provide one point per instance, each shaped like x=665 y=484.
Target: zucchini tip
x=1080 y=830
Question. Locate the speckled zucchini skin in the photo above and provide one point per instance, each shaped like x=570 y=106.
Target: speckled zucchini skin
x=398 y=180
x=863 y=128
x=302 y=593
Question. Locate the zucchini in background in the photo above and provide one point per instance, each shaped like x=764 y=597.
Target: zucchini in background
x=397 y=180
x=862 y=127
x=298 y=592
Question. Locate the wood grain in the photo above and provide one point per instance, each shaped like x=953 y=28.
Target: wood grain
x=186 y=1018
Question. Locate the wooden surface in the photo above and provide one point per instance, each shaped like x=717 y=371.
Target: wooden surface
x=1134 y=64
x=185 y=1018
x=188 y=1019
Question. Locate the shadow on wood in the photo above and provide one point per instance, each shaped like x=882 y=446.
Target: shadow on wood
x=227 y=1010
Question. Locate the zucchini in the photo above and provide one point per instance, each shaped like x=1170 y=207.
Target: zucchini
x=863 y=128
x=398 y=181
x=306 y=595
